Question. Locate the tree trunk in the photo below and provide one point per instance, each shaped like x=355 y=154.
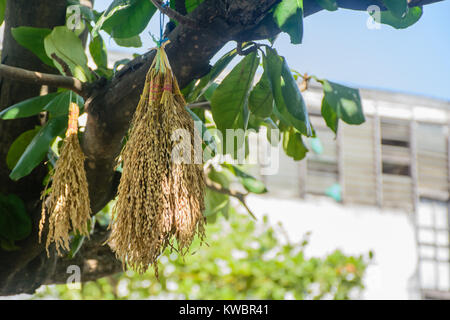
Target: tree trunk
x=21 y=270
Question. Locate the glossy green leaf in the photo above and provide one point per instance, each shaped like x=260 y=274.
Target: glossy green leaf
x=33 y=40
x=260 y=101
x=27 y=108
x=97 y=49
x=133 y=42
x=68 y=47
x=329 y=115
x=271 y=125
x=206 y=81
x=249 y=182
x=216 y=203
x=210 y=91
x=288 y=15
x=125 y=18
x=229 y=103
x=273 y=64
x=60 y=104
x=289 y=104
x=330 y=5
x=295 y=105
x=398 y=8
x=293 y=144
x=35 y=153
x=15 y=223
x=207 y=138
x=386 y=17
x=18 y=147
x=75 y=245
x=344 y=101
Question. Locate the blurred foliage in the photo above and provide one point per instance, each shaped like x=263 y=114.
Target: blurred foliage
x=243 y=259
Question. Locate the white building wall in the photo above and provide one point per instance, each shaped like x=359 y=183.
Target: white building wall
x=354 y=230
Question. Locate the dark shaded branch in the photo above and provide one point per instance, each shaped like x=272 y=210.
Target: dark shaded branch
x=39 y=78
x=63 y=64
x=201 y=105
x=172 y=14
x=180 y=6
x=94 y=259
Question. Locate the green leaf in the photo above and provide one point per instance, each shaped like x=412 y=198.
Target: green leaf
x=260 y=101
x=344 y=101
x=386 y=17
x=18 y=147
x=207 y=138
x=220 y=177
x=398 y=8
x=98 y=51
x=271 y=125
x=330 y=5
x=208 y=80
x=289 y=104
x=133 y=42
x=273 y=65
x=2 y=10
x=68 y=47
x=329 y=115
x=229 y=103
x=27 y=108
x=210 y=91
x=60 y=104
x=295 y=105
x=75 y=245
x=33 y=40
x=216 y=203
x=38 y=147
x=288 y=16
x=293 y=144
x=15 y=223
x=249 y=182
x=125 y=18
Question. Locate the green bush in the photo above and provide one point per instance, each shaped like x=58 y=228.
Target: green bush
x=242 y=259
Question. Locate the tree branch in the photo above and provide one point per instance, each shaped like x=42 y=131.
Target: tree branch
x=40 y=78
x=94 y=259
x=172 y=14
x=201 y=105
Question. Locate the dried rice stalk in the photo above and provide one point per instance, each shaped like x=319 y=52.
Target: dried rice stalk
x=159 y=201
x=68 y=201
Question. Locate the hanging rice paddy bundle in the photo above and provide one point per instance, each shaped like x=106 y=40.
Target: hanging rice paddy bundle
x=160 y=198
x=67 y=204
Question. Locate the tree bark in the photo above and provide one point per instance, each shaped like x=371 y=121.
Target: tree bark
x=43 y=14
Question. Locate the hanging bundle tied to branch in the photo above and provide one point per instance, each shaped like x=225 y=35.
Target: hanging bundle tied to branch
x=160 y=199
x=68 y=201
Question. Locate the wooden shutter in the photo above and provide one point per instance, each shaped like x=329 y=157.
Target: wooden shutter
x=358 y=157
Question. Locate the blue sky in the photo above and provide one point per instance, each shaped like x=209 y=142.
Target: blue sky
x=339 y=46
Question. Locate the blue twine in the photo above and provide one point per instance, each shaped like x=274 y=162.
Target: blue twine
x=161 y=25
